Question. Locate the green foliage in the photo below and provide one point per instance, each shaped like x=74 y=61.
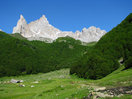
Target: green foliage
x=19 y=56
x=103 y=58
x=129 y=62
x=19 y=36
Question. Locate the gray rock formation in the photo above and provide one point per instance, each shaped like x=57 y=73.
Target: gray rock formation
x=42 y=30
x=16 y=81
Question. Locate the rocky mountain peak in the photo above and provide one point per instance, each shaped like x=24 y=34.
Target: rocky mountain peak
x=21 y=16
x=84 y=29
x=43 y=19
x=41 y=30
x=22 y=20
x=21 y=27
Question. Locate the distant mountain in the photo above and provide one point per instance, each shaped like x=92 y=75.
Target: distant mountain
x=42 y=30
x=111 y=50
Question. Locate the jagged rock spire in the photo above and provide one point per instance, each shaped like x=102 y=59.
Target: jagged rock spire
x=21 y=16
x=43 y=18
x=41 y=28
x=21 y=25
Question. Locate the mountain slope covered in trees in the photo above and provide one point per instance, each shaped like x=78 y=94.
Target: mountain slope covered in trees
x=19 y=56
x=103 y=58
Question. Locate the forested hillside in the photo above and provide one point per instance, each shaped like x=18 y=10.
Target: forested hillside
x=19 y=56
x=103 y=58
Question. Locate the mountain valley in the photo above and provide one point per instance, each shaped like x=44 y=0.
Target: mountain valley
x=47 y=63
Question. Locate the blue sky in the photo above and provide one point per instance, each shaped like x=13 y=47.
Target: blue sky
x=66 y=15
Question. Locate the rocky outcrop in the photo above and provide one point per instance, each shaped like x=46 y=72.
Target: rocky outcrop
x=109 y=93
x=42 y=30
x=16 y=81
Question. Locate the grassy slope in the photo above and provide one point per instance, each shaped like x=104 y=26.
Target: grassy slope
x=60 y=85
x=117 y=78
x=53 y=85
x=17 y=35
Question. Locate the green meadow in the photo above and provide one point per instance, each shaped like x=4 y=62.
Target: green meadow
x=60 y=85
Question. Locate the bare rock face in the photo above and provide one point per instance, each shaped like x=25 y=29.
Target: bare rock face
x=91 y=34
x=42 y=30
x=22 y=27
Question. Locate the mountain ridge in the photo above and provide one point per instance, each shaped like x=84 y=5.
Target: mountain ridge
x=41 y=29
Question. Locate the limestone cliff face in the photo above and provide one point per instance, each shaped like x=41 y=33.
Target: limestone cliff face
x=22 y=27
x=42 y=30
